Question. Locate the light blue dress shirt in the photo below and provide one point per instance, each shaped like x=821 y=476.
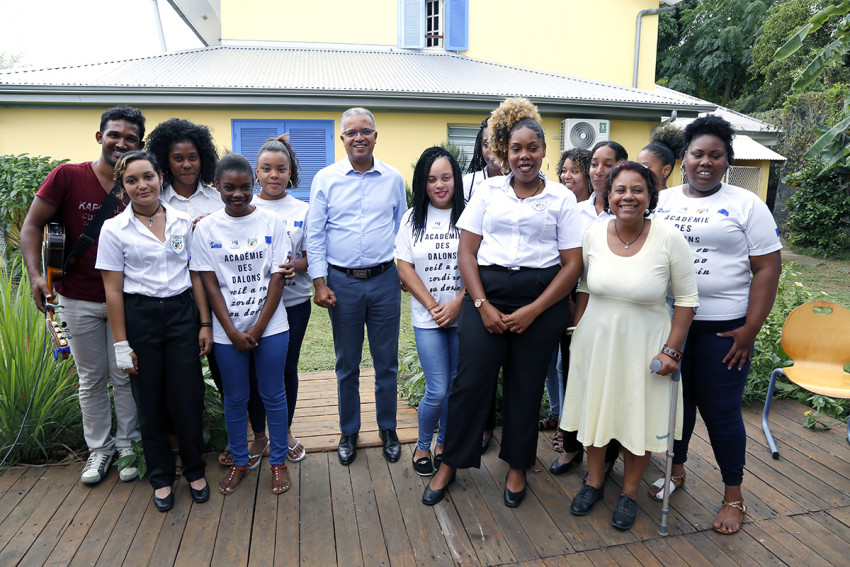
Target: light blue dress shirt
x=353 y=217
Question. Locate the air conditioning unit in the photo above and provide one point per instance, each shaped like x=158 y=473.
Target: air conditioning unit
x=583 y=133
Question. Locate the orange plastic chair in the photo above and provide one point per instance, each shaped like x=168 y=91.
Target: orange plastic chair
x=819 y=345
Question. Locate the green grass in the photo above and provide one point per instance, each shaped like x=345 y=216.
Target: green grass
x=821 y=274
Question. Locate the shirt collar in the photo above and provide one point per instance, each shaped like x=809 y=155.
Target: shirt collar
x=125 y=218
x=377 y=166
x=168 y=193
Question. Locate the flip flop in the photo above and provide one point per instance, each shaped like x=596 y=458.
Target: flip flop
x=294 y=455
x=254 y=460
x=656 y=489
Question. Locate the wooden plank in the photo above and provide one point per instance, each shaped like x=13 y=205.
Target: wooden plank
x=164 y=549
x=601 y=558
x=344 y=513
x=59 y=520
x=743 y=548
x=789 y=414
x=686 y=512
x=202 y=526
x=815 y=536
x=317 y=530
x=706 y=548
x=261 y=550
x=232 y=543
x=664 y=549
x=640 y=553
x=399 y=548
x=34 y=513
x=8 y=477
x=574 y=560
x=85 y=518
x=835 y=526
x=777 y=542
x=125 y=529
x=372 y=545
x=16 y=493
x=842 y=515
x=287 y=550
x=143 y=542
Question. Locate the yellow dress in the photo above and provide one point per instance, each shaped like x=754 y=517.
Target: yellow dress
x=611 y=394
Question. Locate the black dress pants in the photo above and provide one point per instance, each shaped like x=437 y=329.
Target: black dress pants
x=163 y=332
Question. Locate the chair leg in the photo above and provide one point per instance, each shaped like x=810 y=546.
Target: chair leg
x=765 y=426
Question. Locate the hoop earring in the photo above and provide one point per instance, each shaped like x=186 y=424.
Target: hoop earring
x=547 y=164
x=289 y=185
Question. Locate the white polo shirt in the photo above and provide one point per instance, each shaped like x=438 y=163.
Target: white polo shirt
x=203 y=201
x=293 y=213
x=587 y=211
x=151 y=267
x=527 y=233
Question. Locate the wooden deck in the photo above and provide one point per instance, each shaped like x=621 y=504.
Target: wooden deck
x=370 y=513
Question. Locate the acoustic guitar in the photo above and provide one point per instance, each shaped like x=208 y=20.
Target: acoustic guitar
x=52 y=260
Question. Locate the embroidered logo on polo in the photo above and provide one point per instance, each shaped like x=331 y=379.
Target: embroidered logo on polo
x=252 y=242
x=539 y=205
x=178 y=244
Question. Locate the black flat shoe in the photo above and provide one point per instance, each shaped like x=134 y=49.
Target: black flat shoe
x=347 y=450
x=164 y=504
x=585 y=499
x=624 y=514
x=514 y=499
x=562 y=468
x=202 y=495
x=438 y=460
x=431 y=497
x=423 y=466
x=392 y=448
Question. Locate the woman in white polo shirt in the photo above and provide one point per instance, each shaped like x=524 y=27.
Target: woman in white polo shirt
x=160 y=322
x=519 y=255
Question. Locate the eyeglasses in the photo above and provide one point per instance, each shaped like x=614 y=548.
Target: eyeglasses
x=353 y=133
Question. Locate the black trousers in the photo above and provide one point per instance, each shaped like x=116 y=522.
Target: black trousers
x=163 y=332
x=525 y=358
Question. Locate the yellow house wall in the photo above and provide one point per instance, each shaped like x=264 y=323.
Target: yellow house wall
x=593 y=40
x=676 y=177
x=401 y=136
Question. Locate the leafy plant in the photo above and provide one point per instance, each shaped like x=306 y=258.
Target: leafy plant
x=411 y=378
x=214 y=431
x=819 y=210
x=29 y=375
x=135 y=459
x=20 y=177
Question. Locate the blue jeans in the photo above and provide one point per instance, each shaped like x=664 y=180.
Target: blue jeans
x=555 y=384
x=269 y=361
x=437 y=350
x=376 y=303
x=298 y=316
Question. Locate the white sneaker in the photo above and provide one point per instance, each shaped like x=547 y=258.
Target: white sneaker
x=130 y=472
x=96 y=467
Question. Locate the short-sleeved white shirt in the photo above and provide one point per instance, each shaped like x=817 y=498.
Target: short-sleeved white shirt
x=203 y=201
x=587 y=210
x=472 y=181
x=434 y=259
x=528 y=233
x=151 y=267
x=723 y=231
x=243 y=252
x=294 y=215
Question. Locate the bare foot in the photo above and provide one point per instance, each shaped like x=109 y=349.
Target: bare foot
x=731 y=516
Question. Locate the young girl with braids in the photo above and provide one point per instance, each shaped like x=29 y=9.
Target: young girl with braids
x=519 y=256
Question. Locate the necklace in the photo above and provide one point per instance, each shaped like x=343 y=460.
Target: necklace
x=149 y=216
x=536 y=191
x=627 y=244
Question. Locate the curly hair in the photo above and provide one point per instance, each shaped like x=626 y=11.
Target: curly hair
x=166 y=134
x=126 y=159
x=511 y=114
x=711 y=125
x=666 y=144
x=648 y=177
x=420 y=189
x=580 y=159
x=281 y=144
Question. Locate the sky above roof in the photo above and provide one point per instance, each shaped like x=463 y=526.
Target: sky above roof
x=48 y=33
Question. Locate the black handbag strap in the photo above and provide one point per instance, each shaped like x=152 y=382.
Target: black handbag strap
x=92 y=231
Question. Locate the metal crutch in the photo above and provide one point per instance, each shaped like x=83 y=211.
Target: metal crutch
x=671 y=433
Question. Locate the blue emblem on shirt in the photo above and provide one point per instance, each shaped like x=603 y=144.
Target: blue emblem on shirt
x=723 y=212
x=268 y=239
x=777 y=232
x=214 y=244
x=298 y=223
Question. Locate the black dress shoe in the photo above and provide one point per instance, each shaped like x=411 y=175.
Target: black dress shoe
x=514 y=499
x=438 y=460
x=164 y=504
x=347 y=450
x=431 y=497
x=392 y=448
x=585 y=499
x=624 y=514
x=202 y=495
x=423 y=466
x=561 y=468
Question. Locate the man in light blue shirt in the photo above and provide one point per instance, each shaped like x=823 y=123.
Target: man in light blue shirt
x=355 y=211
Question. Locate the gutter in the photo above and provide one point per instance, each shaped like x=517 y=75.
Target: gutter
x=640 y=16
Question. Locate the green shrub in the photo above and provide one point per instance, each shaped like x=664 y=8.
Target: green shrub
x=411 y=378
x=53 y=427
x=819 y=210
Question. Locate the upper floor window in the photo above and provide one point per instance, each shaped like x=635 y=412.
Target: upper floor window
x=433 y=23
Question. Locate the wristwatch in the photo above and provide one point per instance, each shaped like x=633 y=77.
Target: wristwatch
x=479 y=302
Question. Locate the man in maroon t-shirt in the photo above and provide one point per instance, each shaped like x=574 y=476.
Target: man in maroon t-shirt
x=77 y=190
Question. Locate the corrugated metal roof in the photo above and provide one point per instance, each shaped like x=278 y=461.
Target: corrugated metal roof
x=747 y=148
x=740 y=122
x=368 y=71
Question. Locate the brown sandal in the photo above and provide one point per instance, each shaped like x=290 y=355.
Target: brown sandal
x=558 y=441
x=550 y=422
x=225 y=458
x=280 y=479
x=724 y=509
x=231 y=480
x=656 y=489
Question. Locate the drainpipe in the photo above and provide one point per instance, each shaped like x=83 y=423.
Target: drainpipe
x=159 y=26
x=640 y=15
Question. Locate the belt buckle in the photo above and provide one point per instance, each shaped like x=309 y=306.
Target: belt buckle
x=360 y=274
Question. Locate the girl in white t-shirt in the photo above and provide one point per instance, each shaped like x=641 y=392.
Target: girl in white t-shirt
x=238 y=251
x=426 y=250
x=277 y=172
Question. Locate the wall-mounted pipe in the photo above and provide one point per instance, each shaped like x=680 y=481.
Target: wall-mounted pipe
x=159 y=26
x=640 y=15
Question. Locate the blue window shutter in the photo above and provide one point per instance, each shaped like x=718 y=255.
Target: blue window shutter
x=313 y=143
x=411 y=24
x=457 y=25
x=250 y=135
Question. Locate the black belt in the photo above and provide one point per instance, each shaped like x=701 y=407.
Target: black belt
x=365 y=273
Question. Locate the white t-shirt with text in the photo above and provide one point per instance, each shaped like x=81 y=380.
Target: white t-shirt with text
x=294 y=215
